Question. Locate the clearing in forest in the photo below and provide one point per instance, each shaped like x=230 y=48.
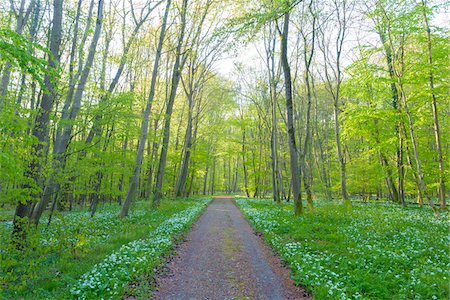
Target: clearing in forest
x=223 y=259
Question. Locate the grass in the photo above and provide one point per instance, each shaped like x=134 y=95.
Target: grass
x=57 y=257
x=368 y=252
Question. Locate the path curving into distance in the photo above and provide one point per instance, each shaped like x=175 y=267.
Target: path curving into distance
x=222 y=258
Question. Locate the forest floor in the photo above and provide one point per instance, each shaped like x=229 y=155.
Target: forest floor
x=222 y=258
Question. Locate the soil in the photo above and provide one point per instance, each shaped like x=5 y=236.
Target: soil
x=222 y=258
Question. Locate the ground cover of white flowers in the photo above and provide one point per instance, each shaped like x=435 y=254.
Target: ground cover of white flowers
x=110 y=277
x=80 y=256
x=372 y=251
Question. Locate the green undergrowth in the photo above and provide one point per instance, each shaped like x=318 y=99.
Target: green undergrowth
x=369 y=252
x=56 y=258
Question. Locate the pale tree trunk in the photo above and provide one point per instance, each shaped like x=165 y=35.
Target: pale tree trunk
x=414 y=174
x=236 y=176
x=205 y=180
x=437 y=133
x=397 y=107
x=398 y=73
x=144 y=127
x=99 y=173
x=74 y=77
x=181 y=182
x=270 y=56
x=320 y=157
x=213 y=177
x=295 y=175
x=33 y=31
x=197 y=77
x=42 y=120
x=121 y=179
x=258 y=179
x=244 y=165
x=176 y=75
x=389 y=181
x=151 y=167
x=381 y=30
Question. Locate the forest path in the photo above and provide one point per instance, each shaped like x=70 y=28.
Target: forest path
x=223 y=259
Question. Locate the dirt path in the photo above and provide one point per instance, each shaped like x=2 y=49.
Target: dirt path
x=223 y=259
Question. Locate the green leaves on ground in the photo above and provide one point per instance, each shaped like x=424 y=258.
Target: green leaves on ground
x=375 y=251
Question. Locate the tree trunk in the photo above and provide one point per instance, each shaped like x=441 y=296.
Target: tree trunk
x=437 y=133
x=397 y=107
x=270 y=51
x=176 y=75
x=295 y=176
x=181 y=182
x=22 y=18
x=420 y=178
x=306 y=171
x=205 y=180
x=144 y=128
x=247 y=192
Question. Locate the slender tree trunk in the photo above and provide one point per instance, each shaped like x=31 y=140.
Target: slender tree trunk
x=321 y=161
x=397 y=107
x=213 y=177
x=22 y=18
x=334 y=85
x=205 y=180
x=176 y=75
x=295 y=176
x=437 y=132
x=151 y=167
x=95 y=129
x=270 y=50
x=414 y=174
x=181 y=182
x=341 y=159
x=247 y=192
x=144 y=128
x=62 y=141
x=42 y=120
x=420 y=177
x=307 y=141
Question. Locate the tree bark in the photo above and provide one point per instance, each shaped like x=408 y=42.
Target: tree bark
x=42 y=120
x=247 y=192
x=144 y=128
x=21 y=20
x=295 y=176
x=62 y=141
x=437 y=132
x=308 y=56
x=176 y=75
x=181 y=182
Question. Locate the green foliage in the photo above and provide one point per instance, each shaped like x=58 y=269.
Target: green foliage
x=375 y=251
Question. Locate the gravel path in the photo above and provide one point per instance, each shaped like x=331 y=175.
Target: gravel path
x=222 y=258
